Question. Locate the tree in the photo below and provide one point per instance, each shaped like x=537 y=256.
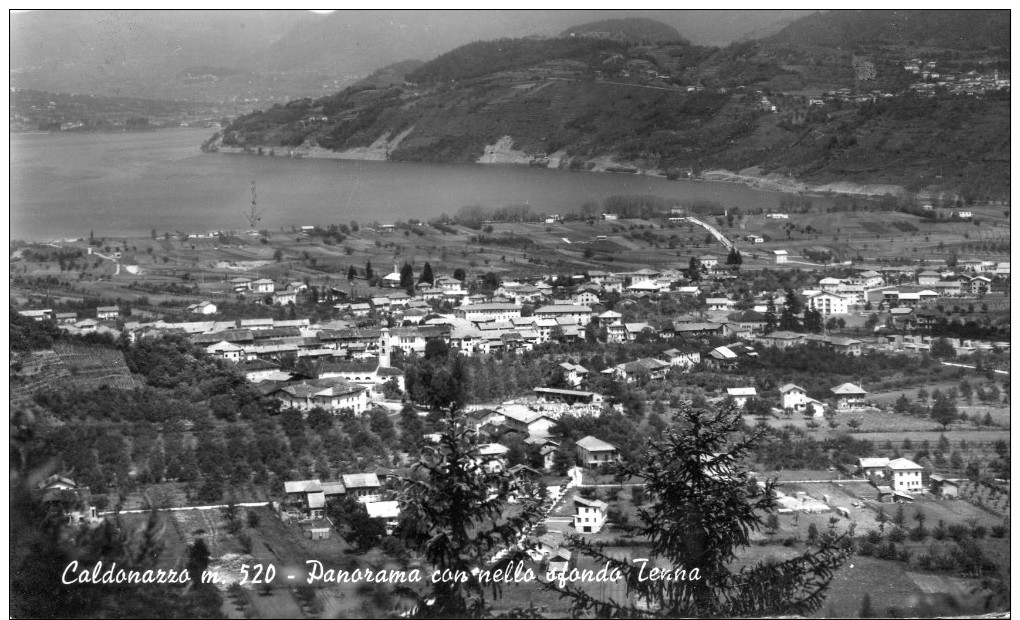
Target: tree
x=368 y=267
x=705 y=506
x=770 y=315
x=694 y=269
x=426 y=274
x=944 y=411
x=812 y=321
x=734 y=257
x=453 y=513
x=278 y=255
x=351 y=272
x=459 y=274
x=942 y=349
x=356 y=527
x=406 y=275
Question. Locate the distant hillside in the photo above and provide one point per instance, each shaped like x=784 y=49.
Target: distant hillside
x=634 y=29
x=819 y=114
x=951 y=29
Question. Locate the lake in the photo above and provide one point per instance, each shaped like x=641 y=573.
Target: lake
x=126 y=184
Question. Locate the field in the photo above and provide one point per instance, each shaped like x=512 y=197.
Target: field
x=92 y=366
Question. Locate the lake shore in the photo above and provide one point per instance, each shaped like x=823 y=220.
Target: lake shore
x=503 y=155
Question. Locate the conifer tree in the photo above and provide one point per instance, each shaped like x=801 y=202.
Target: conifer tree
x=453 y=513
x=705 y=508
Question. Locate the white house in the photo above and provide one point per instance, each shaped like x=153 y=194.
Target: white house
x=106 y=313
x=226 y=350
x=265 y=285
x=741 y=394
x=593 y=451
x=579 y=315
x=904 y=475
x=829 y=303
x=795 y=398
x=202 y=307
x=590 y=515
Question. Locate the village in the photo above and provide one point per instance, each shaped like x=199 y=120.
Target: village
x=883 y=386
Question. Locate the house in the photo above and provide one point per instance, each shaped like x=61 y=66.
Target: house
x=239 y=285
x=708 y=261
x=741 y=395
x=721 y=358
x=781 y=256
x=332 y=394
x=871 y=466
x=570 y=397
x=828 y=303
x=849 y=396
x=528 y=422
x=63 y=497
x=944 y=487
x=795 y=398
x=578 y=315
x=905 y=476
x=675 y=357
x=781 y=339
x=202 y=307
x=590 y=515
x=719 y=304
x=927 y=278
x=492 y=457
x=283 y=298
x=488 y=312
x=574 y=374
x=592 y=451
x=609 y=318
x=979 y=285
x=310 y=496
x=227 y=351
x=585 y=298
x=66 y=318
x=107 y=313
x=559 y=562
x=264 y=285
x=365 y=487
x=37 y=315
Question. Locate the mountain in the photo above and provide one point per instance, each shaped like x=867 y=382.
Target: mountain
x=812 y=111
x=254 y=58
x=943 y=29
x=633 y=29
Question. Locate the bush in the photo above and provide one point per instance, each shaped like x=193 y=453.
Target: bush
x=897 y=534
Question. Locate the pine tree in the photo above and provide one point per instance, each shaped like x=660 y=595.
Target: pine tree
x=694 y=269
x=705 y=508
x=351 y=272
x=406 y=276
x=770 y=315
x=368 y=270
x=453 y=509
x=426 y=274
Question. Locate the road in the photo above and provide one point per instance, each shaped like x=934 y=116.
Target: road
x=1001 y=372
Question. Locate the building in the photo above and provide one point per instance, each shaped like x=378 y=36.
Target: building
x=905 y=476
x=107 y=313
x=578 y=315
x=781 y=256
x=590 y=515
x=65 y=499
x=225 y=350
x=38 y=315
x=489 y=312
x=795 y=398
x=528 y=422
x=592 y=451
x=332 y=394
x=365 y=488
x=574 y=374
x=492 y=457
x=203 y=307
x=741 y=395
x=264 y=285
x=944 y=487
x=872 y=466
x=829 y=303
x=848 y=396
